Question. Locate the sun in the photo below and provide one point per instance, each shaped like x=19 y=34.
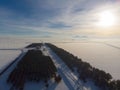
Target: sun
x=106 y=19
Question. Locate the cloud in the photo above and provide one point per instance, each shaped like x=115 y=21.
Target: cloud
x=51 y=18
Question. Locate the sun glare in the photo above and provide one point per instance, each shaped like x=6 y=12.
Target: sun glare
x=106 y=19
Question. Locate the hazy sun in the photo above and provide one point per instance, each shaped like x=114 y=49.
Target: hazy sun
x=106 y=19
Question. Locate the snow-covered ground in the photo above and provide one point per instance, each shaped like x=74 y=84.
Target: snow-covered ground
x=41 y=86
x=10 y=48
x=68 y=76
x=4 y=76
x=31 y=85
x=62 y=85
x=69 y=80
x=99 y=55
x=7 y=56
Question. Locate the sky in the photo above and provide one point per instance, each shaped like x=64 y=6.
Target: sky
x=58 y=19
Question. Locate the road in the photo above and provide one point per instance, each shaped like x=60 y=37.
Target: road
x=71 y=79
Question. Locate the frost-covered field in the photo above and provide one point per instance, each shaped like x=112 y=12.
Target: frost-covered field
x=68 y=76
x=9 y=50
x=103 y=55
x=8 y=53
x=6 y=56
x=99 y=55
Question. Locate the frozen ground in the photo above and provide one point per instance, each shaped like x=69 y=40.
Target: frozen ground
x=10 y=48
x=41 y=86
x=68 y=76
x=4 y=76
x=7 y=56
x=30 y=85
x=99 y=55
x=103 y=54
x=69 y=80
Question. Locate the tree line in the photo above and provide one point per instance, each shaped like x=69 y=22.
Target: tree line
x=32 y=67
x=34 y=45
x=86 y=71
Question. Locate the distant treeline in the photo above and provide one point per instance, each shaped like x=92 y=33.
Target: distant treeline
x=34 y=45
x=86 y=71
x=32 y=67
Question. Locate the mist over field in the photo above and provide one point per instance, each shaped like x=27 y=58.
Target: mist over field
x=98 y=55
x=104 y=55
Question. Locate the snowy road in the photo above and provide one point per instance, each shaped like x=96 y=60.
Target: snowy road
x=71 y=80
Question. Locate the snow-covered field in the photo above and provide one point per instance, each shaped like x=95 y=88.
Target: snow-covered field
x=103 y=55
x=70 y=78
x=99 y=55
x=4 y=76
x=29 y=85
x=41 y=86
x=7 y=56
x=9 y=50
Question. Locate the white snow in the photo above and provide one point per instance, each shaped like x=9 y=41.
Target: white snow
x=4 y=76
x=31 y=85
x=70 y=78
x=7 y=56
x=100 y=55
x=41 y=86
x=10 y=48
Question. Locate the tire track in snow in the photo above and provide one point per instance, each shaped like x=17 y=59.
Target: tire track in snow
x=71 y=78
